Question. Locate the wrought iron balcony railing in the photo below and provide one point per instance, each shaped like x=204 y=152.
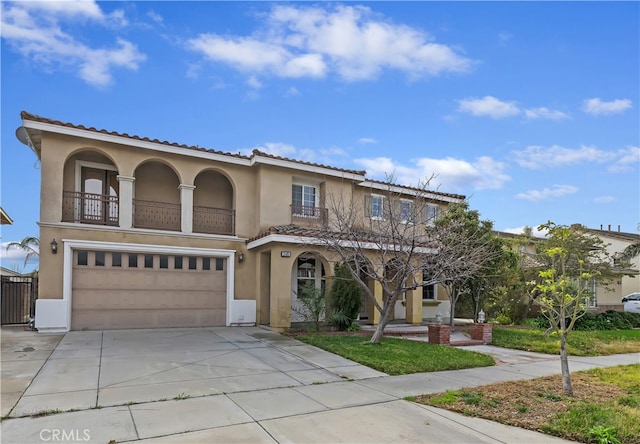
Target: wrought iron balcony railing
x=156 y=215
x=89 y=208
x=214 y=220
x=308 y=215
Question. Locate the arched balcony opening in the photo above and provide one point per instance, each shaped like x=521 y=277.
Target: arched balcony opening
x=90 y=189
x=213 y=211
x=157 y=198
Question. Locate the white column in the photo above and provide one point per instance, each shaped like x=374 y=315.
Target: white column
x=125 y=204
x=186 y=201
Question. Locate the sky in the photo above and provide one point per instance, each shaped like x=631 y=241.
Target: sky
x=530 y=109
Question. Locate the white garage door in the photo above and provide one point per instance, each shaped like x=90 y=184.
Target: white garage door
x=136 y=290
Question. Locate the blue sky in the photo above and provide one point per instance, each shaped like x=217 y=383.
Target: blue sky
x=531 y=109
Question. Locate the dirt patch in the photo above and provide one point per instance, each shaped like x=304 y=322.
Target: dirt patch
x=529 y=404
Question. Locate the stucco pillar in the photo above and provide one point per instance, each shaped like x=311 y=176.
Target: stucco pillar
x=125 y=204
x=414 y=302
x=186 y=204
x=280 y=290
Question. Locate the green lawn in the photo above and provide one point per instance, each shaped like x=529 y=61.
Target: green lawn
x=580 y=343
x=396 y=356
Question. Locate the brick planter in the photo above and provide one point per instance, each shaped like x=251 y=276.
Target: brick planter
x=439 y=334
x=482 y=332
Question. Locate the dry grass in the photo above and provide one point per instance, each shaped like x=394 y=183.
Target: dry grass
x=540 y=405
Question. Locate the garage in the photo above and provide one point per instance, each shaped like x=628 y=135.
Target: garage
x=116 y=290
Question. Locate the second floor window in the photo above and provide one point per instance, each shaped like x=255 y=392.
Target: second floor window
x=377 y=207
x=303 y=200
x=406 y=211
x=432 y=214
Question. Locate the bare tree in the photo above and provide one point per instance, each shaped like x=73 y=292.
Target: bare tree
x=466 y=249
x=382 y=240
x=394 y=240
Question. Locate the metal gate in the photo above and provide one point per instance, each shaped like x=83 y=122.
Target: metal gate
x=18 y=299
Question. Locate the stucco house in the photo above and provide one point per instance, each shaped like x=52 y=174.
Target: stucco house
x=605 y=296
x=144 y=233
x=609 y=297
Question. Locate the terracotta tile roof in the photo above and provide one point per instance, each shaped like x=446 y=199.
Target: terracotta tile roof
x=35 y=118
x=289 y=230
x=257 y=152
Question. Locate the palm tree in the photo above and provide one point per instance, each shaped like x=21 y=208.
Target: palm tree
x=30 y=244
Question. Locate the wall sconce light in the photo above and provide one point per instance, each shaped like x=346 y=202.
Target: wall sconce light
x=54 y=246
x=241 y=257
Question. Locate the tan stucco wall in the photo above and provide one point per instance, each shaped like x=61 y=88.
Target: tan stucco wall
x=260 y=194
x=157 y=182
x=274 y=197
x=213 y=190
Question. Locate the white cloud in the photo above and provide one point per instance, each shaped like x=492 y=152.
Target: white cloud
x=328 y=156
x=451 y=174
x=34 y=30
x=488 y=106
x=627 y=159
x=292 y=91
x=604 y=199
x=597 y=107
x=534 y=230
x=254 y=83
x=367 y=140
x=155 y=17
x=13 y=259
x=545 y=113
x=547 y=193
x=537 y=157
x=276 y=149
x=350 y=41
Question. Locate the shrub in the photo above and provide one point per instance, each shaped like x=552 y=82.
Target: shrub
x=609 y=320
x=345 y=301
x=313 y=305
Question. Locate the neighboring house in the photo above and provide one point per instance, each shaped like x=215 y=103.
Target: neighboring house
x=5 y=272
x=605 y=296
x=149 y=233
x=610 y=297
x=4 y=218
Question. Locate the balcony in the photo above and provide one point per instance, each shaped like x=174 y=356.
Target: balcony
x=214 y=220
x=301 y=214
x=89 y=208
x=156 y=215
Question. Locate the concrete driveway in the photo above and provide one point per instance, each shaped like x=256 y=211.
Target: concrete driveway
x=231 y=385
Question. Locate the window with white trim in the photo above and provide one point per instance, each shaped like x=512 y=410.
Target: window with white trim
x=432 y=212
x=304 y=200
x=374 y=206
x=406 y=211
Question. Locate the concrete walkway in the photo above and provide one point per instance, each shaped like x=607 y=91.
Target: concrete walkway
x=243 y=385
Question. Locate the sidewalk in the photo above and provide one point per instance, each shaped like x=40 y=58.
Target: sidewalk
x=366 y=407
